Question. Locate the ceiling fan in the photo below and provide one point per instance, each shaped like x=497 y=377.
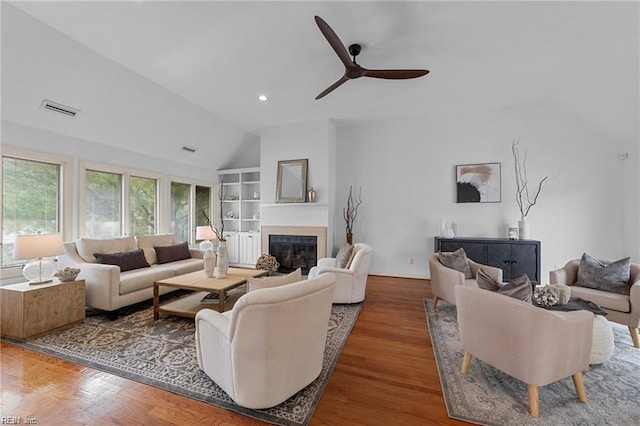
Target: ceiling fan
x=352 y=69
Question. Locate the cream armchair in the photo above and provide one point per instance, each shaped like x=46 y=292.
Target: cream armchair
x=351 y=282
x=444 y=279
x=620 y=308
x=270 y=345
x=534 y=345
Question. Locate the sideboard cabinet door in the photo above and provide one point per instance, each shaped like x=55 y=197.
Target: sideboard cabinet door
x=514 y=257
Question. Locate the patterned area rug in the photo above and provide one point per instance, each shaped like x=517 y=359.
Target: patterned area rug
x=487 y=396
x=163 y=354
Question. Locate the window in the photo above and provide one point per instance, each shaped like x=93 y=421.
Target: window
x=118 y=202
x=31 y=201
x=188 y=202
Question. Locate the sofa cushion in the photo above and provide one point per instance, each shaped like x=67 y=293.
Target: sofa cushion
x=605 y=299
x=126 y=260
x=518 y=288
x=274 y=281
x=88 y=246
x=147 y=242
x=181 y=267
x=605 y=276
x=166 y=254
x=456 y=260
x=140 y=279
x=344 y=255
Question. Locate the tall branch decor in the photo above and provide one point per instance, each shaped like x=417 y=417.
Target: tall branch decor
x=350 y=212
x=523 y=197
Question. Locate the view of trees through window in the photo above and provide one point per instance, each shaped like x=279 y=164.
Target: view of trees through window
x=142 y=205
x=180 y=194
x=103 y=204
x=30 y=201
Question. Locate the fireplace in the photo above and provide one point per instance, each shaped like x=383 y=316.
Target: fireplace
x=294 y=251
x=295 y=246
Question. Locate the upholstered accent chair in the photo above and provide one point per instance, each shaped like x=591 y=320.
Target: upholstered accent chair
x=270 y=345
x=620 y=308
x=534 y=345
x=351 y=281
x=445 y=279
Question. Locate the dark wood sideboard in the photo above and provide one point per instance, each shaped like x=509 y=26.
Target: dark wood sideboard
x=512 y=256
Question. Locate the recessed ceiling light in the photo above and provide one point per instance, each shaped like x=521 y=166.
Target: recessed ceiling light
x=263 y=98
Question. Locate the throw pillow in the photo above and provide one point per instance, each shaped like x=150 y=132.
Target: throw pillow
x=274 y=281
x=518 y=288
x=606 y=276
x=172 y=253
x=353 y=255
x=343 y=256
x=456 y=260
x=126 y=260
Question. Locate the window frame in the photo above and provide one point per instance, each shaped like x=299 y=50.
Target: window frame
x=125 y=173
x=65 y=182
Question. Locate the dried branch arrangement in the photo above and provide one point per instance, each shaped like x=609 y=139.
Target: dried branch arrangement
x=350 y=213
x=222 y=194
x=524 y=199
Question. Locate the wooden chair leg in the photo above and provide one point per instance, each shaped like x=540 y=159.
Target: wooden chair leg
x=634 y=336
x=466 y=361
x=435 y=301
x=579 y=384
x=534 y=406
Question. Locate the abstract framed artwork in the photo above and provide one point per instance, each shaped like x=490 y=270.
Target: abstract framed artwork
x=478 y=183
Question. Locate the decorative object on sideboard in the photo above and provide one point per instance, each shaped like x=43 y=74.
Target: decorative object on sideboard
x=446 y=229
x=523 y=198
x=311 y=195
x=67 y=274
x=291 y=185
x=350 y=213
x=512 y=232
x=478 y=183
x=39 y=248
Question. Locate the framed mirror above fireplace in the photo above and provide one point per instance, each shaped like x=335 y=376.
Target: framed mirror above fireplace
x=291 y=184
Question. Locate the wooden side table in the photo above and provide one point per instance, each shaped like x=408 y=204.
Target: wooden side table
x=32 y=310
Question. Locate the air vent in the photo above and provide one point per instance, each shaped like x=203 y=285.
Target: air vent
x=61 y=109
x=189 y=148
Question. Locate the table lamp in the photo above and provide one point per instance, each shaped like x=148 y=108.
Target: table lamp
x=205 y=233
x=38 y=247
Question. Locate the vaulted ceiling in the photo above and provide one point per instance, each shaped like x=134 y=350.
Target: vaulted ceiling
x=141 y=66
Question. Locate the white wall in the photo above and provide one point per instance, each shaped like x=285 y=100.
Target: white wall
x=407 y=173
x=315 y=141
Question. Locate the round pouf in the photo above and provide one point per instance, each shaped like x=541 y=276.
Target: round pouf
x=603 y=345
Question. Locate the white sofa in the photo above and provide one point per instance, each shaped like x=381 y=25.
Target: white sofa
x=108 y=288
x=270 y=345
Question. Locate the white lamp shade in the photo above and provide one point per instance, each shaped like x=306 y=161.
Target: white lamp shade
x=37 y=245
x=205 y=233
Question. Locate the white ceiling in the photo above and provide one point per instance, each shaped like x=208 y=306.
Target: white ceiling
x=220 y=56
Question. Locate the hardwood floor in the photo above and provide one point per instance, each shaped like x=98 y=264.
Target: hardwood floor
x=386 y=374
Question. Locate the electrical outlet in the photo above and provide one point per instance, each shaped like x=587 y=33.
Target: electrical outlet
x=410 y=261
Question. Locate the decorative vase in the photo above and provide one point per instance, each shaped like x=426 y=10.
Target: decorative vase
x=222 y=264
x=349 y=237
x=523 y=228
x=312 y=195
x=209 y=263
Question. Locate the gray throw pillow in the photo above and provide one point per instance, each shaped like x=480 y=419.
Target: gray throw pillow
x=606 y=276
x=456 y=260
x=344 y=255
x=519 y=288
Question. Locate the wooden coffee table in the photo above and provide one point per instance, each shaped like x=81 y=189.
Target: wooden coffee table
x=189 y=305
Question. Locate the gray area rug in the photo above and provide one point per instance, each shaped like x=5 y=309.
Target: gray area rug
x=487 y=396
x=163 y=354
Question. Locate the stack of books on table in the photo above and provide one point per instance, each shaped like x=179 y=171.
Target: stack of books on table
x=212 y=298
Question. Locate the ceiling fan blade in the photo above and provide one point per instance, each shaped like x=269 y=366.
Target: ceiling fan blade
x=394 y=74
x=332 y=87
x=334 y=41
